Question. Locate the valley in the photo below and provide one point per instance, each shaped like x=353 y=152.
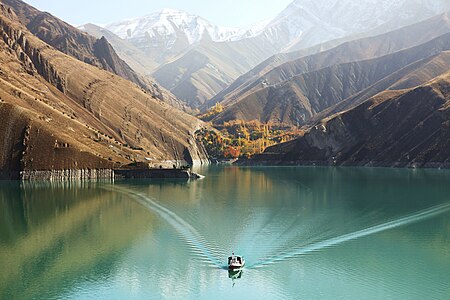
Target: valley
x=174 y=89
x=290 y=149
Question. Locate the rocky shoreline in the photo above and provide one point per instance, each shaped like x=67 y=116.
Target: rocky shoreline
x=156 y=174
x=104 y=174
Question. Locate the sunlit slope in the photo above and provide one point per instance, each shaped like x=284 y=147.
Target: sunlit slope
x=121 y=122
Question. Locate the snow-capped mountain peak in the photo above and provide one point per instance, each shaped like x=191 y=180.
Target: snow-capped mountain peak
x=171 y=23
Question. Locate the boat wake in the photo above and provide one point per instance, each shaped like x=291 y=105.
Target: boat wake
x=194 y=240
x=210 y=254
x=295 y=252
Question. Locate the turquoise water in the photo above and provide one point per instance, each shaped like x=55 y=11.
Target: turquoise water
x=306 y=233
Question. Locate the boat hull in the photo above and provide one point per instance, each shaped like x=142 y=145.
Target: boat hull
x=236 y=267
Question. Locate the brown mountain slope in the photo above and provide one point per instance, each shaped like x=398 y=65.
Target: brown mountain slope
x=132 y=55
x=74 y=42
x=60 y=113
x=139 y=61
x=413 y=75
x=283 y=66
x=301 y=97
x=198 y=74
x=402 y=128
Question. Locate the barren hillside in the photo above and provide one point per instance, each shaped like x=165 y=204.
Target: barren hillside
x=60 y=113
x=408 y=128
x=299 y=98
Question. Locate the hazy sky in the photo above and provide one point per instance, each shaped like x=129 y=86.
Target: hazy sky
x=234 y=13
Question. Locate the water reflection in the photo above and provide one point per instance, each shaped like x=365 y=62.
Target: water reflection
x=328 y=233
x=57 y=236
x=235 y=275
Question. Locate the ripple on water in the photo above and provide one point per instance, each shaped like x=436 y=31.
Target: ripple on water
x=410 y=219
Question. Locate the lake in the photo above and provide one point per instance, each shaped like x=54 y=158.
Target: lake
x=306 y=233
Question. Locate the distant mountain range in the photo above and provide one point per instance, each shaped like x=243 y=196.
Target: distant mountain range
x=295 y=91
x=296 y=26
x=172 y=25
x=196 y=59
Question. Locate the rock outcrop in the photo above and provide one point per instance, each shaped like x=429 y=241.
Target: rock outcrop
x=31 y=57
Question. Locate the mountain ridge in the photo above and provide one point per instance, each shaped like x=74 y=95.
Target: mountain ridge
x=294 y=28
x=359 y=49
x=408 y=128
x=68 y=39
x=310 y=93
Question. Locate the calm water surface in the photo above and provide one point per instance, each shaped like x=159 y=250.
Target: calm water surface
x=306 y=233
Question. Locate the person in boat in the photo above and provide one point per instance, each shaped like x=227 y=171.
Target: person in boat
x=235 y=261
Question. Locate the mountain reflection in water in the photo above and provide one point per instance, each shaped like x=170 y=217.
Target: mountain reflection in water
x=305 y=233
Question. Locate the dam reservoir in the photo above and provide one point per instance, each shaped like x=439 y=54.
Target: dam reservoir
x=305 y=233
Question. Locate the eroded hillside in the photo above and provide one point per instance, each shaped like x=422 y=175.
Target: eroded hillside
x=60 y=113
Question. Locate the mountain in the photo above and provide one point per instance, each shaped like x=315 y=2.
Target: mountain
x=68 y=39
x=196 y=58
x=133 y=56
x=59 y=113
x=176 y=38
x=406 y=128
x=168 y=32
x=310 y=95
x=96 y=51
x=308 y=18
x=303 y=23
x=408 y=77
x=316 y=95
x=199 y=74
x=139 y=63
x=285 y=65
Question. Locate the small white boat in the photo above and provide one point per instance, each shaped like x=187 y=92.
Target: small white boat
x=235 y=262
